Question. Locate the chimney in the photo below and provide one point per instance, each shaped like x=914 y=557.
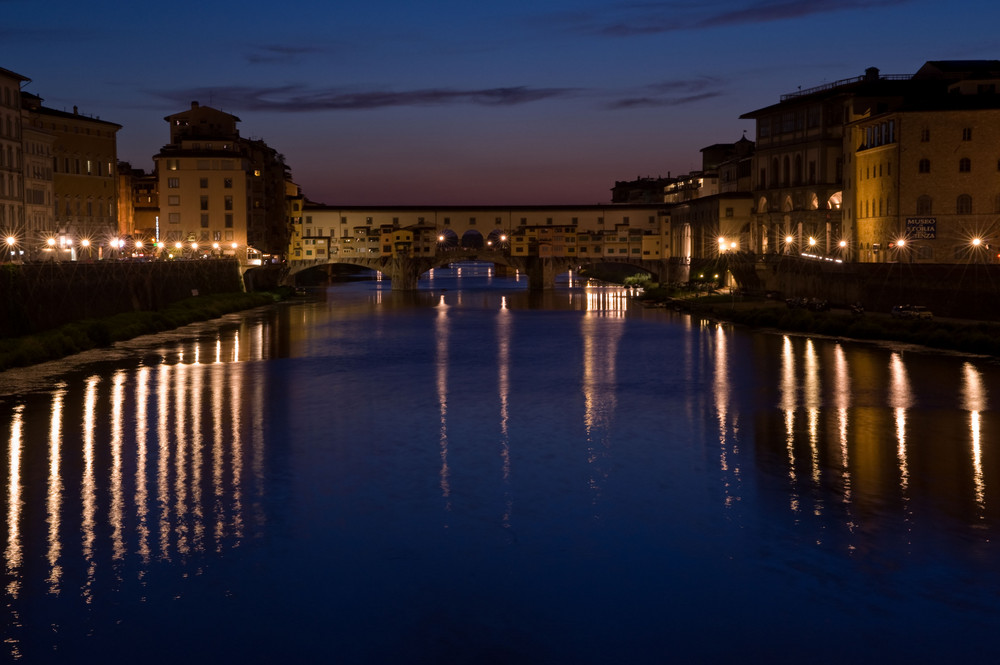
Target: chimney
x=871 y=74
x=194 y=105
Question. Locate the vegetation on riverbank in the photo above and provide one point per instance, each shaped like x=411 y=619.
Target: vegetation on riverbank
x=93 y=333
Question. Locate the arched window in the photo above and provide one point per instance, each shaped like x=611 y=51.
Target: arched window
x=924 y=166
x=924 y=205
x=963 y=206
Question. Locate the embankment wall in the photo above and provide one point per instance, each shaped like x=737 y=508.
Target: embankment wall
x=968 y=291
x=36 y=297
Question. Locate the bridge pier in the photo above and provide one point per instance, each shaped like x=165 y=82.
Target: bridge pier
x=541 y=274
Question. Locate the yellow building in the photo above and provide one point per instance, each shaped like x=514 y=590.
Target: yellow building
x=923 y=183
x=85 y=178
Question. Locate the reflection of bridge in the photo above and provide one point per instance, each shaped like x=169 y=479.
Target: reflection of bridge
x=404 y=271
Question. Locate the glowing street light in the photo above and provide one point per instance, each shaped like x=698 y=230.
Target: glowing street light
x=976 y=242
x=812 y=241
x=900 y=243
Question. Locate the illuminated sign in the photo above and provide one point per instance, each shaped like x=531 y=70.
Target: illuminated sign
x=921 y=228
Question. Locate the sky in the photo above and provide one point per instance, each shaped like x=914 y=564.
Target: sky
x=456 y=102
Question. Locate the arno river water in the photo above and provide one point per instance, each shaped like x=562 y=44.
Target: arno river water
x=471 y=474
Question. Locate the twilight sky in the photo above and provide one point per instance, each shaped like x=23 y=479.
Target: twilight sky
x=393 y=102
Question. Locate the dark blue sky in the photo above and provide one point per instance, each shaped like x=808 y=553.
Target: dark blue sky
x=455 y=102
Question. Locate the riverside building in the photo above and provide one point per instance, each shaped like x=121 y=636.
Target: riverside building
x=883 y=168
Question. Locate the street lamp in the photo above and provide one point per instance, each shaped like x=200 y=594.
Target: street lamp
x=11 y=244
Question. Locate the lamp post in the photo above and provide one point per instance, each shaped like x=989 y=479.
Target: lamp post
x=11 y=247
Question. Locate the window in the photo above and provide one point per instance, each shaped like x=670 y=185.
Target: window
x=229 y=225
x=173 y=183
x=924 y=205
x=729 y=212
x=229 y=203
x=203 y=183
x=967 y=133
x=472 y=221
x=227 y=183
x=925 y=135
x=204 y=203
x=174 y=218
x=173 y=200
x=204 y=220
x=964 y=165
x=924 y=166
x=963 y=206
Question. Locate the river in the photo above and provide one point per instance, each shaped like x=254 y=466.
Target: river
x=476 y=474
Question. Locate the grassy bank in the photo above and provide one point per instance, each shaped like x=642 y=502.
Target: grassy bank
x=947 y=334
x=93 y=333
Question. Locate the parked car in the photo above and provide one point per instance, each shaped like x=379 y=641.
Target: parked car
x=911 y=312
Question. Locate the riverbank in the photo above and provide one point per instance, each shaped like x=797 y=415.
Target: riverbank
x=962 y=335
x=101 y=332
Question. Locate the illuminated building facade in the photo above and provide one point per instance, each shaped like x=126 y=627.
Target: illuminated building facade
x=883 y=168
x=219 y=189
x=922 y=182
x=84 y=178
x=12 y=217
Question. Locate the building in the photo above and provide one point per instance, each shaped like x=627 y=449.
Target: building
x=219 y=192
x=922 y=168
x=138 y=204
x=84 y=179
x=12 y=216
x=882 y=167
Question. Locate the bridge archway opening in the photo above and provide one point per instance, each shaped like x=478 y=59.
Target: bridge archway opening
x=472 y=239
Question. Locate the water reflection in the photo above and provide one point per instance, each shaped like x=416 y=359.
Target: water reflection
x=112 y=508
x=601 y=329
x=974 y=398
x=814 y=452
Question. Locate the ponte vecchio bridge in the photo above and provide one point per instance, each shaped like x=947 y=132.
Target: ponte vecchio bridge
x=540 y=242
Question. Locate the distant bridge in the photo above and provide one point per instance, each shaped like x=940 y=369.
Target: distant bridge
x=405 y=271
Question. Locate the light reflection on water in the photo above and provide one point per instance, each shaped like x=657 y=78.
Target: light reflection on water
x=597 y=436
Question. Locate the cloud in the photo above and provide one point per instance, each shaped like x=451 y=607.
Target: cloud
x=298 y=99
x=648 y=102
x=659 y=17
x=669 y=93
x=276 y=53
